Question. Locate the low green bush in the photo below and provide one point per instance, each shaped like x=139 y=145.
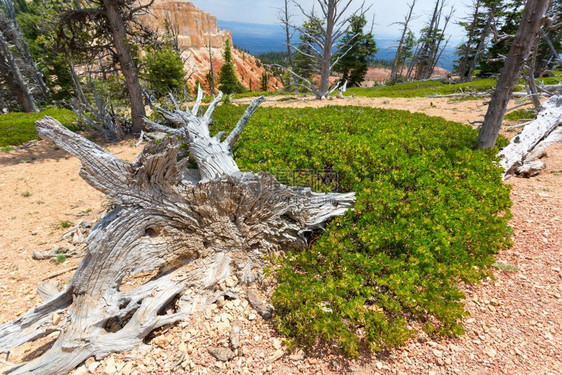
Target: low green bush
x=431 y=212
x=423 y=88
x=17 y=128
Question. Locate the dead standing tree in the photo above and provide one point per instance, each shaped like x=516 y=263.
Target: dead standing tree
x=194 y=226
x=397 y=65
x=330 y=26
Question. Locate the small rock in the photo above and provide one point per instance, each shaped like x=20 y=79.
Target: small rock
x=275 y=356
x=220 y=301
x=110 y=367
x=56 y=319
x=93 y=366
x=298 y=356
x=437 y=353
x=258 y=303
x=221 y=354
x=128 y=369
x=231 y=281
x=235 y=334
x=252 y=316
x=277 y=343
x=491 y=352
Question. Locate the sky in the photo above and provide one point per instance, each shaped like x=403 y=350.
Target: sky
x=386 y=13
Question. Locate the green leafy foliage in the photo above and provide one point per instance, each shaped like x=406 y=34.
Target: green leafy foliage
x=17 y=128
x=423 y=88
x=164 y=71
x=430 y=212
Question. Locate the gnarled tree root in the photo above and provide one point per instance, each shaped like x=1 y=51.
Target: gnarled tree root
x=192 y=228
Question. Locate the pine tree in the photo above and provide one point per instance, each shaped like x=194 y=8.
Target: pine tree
x=264 y=84
x=509 y=15
x=228 y=81
x=356 y=49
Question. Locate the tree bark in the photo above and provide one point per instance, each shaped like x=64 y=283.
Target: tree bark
x=481 y=44
x=15 y=79
x=128 y=66
x=520 y=49
x=195 y=227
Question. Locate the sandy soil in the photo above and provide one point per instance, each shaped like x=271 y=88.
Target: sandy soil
x=514 y=327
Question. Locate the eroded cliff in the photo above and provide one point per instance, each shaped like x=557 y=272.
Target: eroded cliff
x=196 y=31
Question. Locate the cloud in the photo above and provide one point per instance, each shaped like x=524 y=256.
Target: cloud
x=387 y=13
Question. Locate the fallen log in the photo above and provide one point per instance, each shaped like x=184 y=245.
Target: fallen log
x=520 y=150
x=192 y=227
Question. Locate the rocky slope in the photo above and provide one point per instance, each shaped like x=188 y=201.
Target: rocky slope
x=196 y=30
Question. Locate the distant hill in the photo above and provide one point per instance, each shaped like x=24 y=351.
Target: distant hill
x=261 y=38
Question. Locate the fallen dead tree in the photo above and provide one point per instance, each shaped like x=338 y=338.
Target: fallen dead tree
x=191 y=227
x=521 y=156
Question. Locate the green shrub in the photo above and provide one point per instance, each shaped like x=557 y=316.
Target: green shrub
x=17 y=128
x=431 y=212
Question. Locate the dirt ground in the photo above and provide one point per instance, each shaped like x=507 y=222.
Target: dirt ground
x=515 y=320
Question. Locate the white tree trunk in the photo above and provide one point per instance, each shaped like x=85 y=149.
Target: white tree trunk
x=195 y=227
x=520 y=150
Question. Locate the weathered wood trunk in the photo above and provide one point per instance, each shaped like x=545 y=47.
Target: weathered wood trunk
x=193 y=228
x=14 y=77
x=128 y=66
x=522 y=45
x=520 y=151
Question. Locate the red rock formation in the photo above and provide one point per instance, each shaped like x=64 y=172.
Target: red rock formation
x=197 y=29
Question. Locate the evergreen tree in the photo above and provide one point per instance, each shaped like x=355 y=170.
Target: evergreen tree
x=264 y=84
x=508 y=19
x=305 y=62
x=355 y=51
x=228 y=81
x=164 y=71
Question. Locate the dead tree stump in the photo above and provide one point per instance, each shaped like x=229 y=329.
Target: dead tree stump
x=192 y=227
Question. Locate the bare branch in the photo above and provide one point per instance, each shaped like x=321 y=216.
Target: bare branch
x=239 y=128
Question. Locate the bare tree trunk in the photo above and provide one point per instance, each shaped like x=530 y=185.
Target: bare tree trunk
x=15 y=78
x=77 y=86
x=128 y=66
x=463 y=67
x=285 y=18
x=195 y=227
x=24 y=50
x=397 y=65
x=520 y=49
x=481 y=45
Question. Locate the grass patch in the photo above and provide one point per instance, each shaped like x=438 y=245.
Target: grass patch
x=423 y=88
x=6 y=148
x=430 y=212
x=521 y=114
x=65 y=224
x=17 y=128
x=26 y=194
